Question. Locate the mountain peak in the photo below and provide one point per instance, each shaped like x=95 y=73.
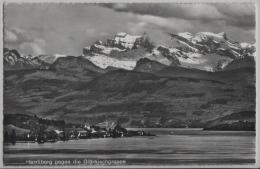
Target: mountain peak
x=224 y=35
x=216 y=36
x=126 y=40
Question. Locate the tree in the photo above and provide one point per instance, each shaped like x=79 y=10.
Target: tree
x=6 y=137
x=13 y=137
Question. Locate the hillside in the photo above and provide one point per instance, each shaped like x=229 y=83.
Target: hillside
x=146 y=65
x=136 y=99
x=244 y=120
x=129 y=79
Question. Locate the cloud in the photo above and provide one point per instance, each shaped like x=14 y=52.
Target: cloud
x=176 y=25
x=185 y=11
x=67 y=28
x=136 y=28
x=18 y=38
x=103 y=34
x=16 y=35
x=10 y=37
x=236 y=9
x=31 y=48
x=240 y=14
x=90 y=32
x=171 y=24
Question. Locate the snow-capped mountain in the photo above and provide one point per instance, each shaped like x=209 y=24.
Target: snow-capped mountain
x=204 y=50
x=208 y=42
x=104 y=61
x=121 y=42
x=100 y=54
x=127 y=41
x=124 y=50
x=13 y=60
x=208 y=51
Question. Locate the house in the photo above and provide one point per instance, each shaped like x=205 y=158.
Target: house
x=106 y=125
x=82 y=134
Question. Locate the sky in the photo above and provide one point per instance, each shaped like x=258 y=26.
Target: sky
x=62 y=28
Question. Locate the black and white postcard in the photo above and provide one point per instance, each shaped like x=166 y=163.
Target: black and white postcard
x=120 y=84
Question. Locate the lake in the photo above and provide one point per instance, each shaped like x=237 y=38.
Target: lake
x=168 y=147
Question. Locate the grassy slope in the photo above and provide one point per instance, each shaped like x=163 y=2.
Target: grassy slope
x=172 y=97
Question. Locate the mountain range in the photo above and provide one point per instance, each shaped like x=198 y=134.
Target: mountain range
x=200 y=80
x=204 y=50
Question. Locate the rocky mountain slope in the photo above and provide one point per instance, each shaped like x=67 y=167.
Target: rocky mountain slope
x=209 y=51
x=204 y=50
x=125 y=50
x=14 y=61
x=146 y=65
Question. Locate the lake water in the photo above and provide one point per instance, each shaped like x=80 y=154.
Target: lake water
x=168 y=147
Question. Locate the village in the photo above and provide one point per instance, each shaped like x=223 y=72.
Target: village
x=84 y=131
